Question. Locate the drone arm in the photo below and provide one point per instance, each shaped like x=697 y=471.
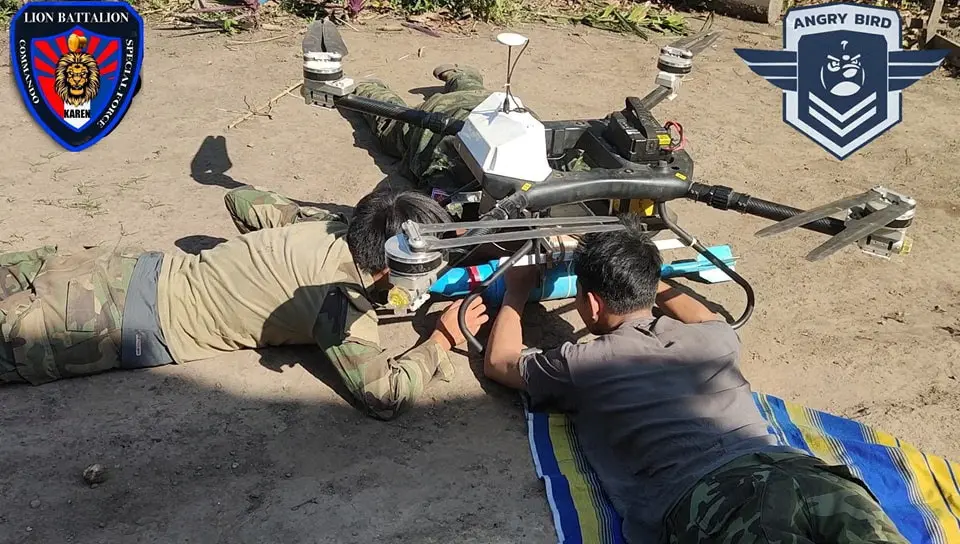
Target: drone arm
x=725 y=198
x=432 y=121
x=655 y=97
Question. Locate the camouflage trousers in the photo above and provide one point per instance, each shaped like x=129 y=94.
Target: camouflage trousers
x=429 y=159
x=785 y=498
x=61 y=313
x=253 y=208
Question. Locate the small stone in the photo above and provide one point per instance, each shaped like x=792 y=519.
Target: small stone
x=102 y=525
x=235 y=465
x=287 y=475
x=94 y=486
x=35 y=503
x=95 y=474
x=29 y=529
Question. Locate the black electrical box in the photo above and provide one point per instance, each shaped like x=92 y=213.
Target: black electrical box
x=636 y=134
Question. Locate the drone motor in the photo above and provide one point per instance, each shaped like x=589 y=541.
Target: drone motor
x=411 y=273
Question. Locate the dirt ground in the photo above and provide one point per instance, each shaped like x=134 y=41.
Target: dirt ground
x=260 y=447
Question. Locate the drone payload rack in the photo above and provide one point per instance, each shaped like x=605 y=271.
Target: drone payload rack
x=633 y=162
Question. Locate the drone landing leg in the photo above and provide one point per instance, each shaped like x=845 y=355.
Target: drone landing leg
x=687 y=238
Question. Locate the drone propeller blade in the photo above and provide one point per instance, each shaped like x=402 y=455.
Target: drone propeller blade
x=814 y=214
x=698 y=42
x=858 y=229
x=324 y=37
x=332 y=40
x=313 y=41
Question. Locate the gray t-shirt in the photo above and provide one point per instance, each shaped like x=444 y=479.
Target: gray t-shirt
x=657 y=404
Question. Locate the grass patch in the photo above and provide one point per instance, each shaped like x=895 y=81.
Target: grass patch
x=626 y=16
x=7 y=9
x=621 y=17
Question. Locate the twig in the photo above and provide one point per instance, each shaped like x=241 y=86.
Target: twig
x=421 y=28
x=215 y=9
x=582 y=37
x=556 y=16
x=269 y=104
x=264 y=40
x=351 y=26
x=304 y=503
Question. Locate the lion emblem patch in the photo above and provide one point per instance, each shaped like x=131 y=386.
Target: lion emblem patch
x=77 y=66
x=76 y=81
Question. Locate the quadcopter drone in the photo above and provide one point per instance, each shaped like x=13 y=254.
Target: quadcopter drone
x=523 y=196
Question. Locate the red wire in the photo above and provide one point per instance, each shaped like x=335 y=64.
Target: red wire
x=682 y=139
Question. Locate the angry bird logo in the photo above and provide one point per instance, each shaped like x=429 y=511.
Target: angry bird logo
x=842 y=71
x=842 y=75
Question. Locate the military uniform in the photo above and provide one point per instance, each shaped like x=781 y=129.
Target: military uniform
x=780 y=497
x=289 y=279
x=428 y=158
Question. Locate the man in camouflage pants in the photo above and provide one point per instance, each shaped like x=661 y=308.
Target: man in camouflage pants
x=665 y=417
x=296 y=275
x=429 y=159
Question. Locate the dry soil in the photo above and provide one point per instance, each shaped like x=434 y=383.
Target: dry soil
x=260 y=447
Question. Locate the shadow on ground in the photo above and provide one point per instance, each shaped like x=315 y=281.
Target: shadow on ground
x=198 y=242
x=388 y=163
x=202 y=462
x=427 y=92
x=211 y=162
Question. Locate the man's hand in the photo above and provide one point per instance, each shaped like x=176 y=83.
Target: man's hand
x=522 y=279
x=448 y=333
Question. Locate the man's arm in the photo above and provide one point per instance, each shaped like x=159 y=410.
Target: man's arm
x=505 y=343
x=385 y=386
x=682 y=306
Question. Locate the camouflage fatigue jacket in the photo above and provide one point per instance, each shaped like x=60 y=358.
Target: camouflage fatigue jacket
x=288 y=245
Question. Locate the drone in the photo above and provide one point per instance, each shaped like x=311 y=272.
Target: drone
x=525 y=204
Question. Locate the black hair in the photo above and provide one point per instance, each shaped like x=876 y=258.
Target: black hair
x=621 y=267
x=378 y=217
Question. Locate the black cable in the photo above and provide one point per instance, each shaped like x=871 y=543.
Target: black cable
x=478 y=290
x=691 y=241
x=510 y=68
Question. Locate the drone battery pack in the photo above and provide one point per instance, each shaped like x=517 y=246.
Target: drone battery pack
x=636 y=134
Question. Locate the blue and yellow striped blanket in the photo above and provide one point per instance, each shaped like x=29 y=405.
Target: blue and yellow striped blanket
x=918 y=491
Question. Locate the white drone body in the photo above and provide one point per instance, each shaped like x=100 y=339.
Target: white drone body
x=503 y=143
x=500 y=137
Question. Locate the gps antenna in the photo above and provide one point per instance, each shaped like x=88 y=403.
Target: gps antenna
x=511 y=40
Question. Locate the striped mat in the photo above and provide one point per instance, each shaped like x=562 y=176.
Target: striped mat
x=918 y=491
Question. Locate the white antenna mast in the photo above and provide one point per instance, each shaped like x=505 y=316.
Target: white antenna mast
x=511 y=40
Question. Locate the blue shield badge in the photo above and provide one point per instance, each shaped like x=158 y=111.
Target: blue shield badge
x=842 y=71
x=77 y=65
